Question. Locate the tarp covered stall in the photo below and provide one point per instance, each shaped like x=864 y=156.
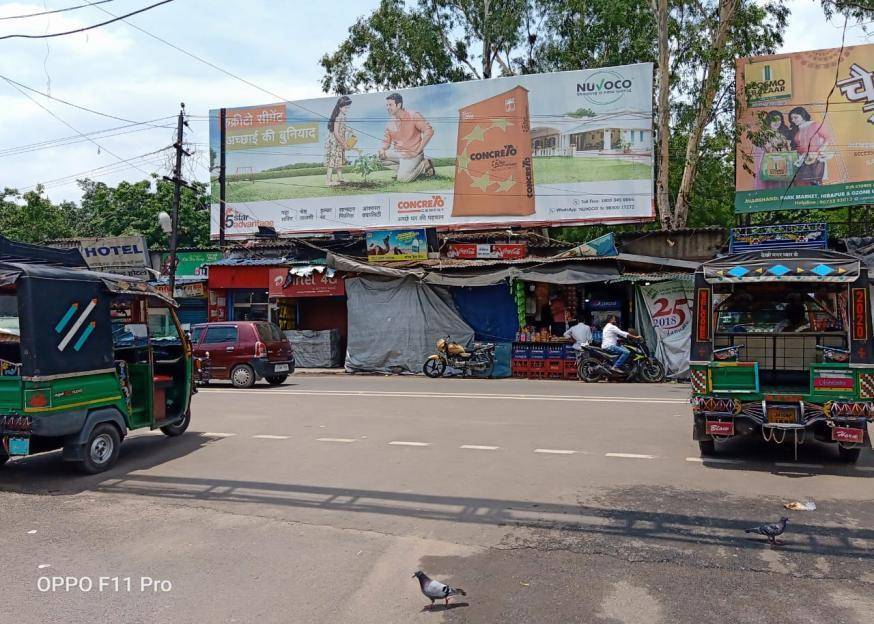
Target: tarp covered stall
x=489 y=310
x=316 y=349
x=394 y=324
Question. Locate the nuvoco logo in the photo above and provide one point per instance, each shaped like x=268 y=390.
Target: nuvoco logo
x=604 y=87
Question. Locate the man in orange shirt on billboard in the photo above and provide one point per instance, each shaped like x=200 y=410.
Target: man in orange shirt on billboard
x=406 y=135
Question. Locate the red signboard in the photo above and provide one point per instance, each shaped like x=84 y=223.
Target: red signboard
x=720 y=428
x=848 y=435
x=860 y=314
x=702 y=307
x=834 y=380
x=285 y=284
x=494 y=251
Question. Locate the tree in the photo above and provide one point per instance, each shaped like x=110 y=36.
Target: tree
x=32 y=218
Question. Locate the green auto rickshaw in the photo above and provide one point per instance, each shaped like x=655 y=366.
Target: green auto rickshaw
x=85 y=357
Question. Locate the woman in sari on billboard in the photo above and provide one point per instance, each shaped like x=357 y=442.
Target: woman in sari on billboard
x=337 y=142
x=811 y=141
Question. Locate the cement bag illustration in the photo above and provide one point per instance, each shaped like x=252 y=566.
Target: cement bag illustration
x=777 y=166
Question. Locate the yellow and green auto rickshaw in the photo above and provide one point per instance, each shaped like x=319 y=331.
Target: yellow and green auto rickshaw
x=782 y=346
x=85 y=357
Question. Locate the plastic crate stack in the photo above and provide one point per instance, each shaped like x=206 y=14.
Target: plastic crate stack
x=543 y=361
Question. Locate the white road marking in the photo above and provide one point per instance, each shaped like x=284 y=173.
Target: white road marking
x=270 y=437
x=43 y=566
x=555 y=451
x=213 y=434
x=797 y=465
x=629 y=455
x=445 y=395
x=32 y=532
x=477 y=447
x=402 y=443
x=335 y=439
x=714 y=460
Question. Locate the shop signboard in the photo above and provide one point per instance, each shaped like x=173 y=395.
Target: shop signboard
x=487 y=251
x=190 y=263
x=538 y=149
x=806 y=122
x=284 y=283
x=668 y=304
x=194 y=290
x=122 y=255
x=396 y=245
x=769 y=237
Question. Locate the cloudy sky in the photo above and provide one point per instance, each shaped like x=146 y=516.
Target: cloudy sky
x=125 y=73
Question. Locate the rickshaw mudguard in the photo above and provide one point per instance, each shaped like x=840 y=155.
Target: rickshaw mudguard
x=74 y=445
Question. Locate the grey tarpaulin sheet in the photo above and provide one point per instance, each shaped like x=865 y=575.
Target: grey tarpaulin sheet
x=316 y=349
x=560 y=273
x=394 y=324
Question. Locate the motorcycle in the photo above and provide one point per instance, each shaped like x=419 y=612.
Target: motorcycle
x=480 y=359
x=595 y=364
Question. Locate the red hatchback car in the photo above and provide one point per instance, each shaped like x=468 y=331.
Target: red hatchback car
x=244 y=352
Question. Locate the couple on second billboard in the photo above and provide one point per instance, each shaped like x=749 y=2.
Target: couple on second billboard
x=544 y=148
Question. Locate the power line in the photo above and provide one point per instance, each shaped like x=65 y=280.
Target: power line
x=75 y=139
x=70 y=126
x=78 y=30
x=72 y=8
x=80 y=107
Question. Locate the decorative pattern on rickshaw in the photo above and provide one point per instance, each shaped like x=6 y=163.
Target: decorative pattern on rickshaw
x=10 y=369
x=866 y=385
x=124 y=382
x=15 y=424
x=835 y=409
x=753 y=410
x=715 y=405
x=698 y=379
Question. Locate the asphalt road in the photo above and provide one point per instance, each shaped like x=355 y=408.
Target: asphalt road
x=546 y=501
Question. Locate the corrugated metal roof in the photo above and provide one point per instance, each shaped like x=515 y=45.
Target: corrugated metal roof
x=277 y=262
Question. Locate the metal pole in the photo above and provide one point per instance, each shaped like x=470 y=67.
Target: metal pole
x=177 y=192
x=222 y=126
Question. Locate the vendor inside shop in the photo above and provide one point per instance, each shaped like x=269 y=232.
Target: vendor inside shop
x=551 y=309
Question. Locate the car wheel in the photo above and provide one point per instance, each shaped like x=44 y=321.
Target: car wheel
x=101 y=449
x=243 y=376
x=707 y=448
x=434 y=368
x=276 y=380
x=848 y=455
x=177 y=429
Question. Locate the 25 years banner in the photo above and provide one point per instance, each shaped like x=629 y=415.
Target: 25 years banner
x=671 y=315
x=567 y=147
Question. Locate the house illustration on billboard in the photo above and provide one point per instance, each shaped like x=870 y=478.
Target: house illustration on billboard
x=583 y=135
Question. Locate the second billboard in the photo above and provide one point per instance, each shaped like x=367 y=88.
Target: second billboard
x=569 y=147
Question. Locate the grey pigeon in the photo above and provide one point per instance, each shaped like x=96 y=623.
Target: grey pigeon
x=435 y=590
x=771 y=531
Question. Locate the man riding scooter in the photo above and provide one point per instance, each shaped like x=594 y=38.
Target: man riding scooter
x=610 y=336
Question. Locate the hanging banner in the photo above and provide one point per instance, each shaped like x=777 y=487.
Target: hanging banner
x=396 y=245
x=487 y=251
x=806 y=122
x=668 y=304
x=538 y=149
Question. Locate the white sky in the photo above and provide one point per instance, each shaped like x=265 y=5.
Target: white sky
x=116 y=69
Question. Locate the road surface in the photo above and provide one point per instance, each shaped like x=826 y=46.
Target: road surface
x=546 y=501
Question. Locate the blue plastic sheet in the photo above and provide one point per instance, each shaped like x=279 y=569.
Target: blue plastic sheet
x=489 y=310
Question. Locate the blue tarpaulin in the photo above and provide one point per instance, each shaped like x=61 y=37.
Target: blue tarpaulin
x=489 y=310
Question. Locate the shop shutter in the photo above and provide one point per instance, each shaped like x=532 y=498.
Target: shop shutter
x=191 y=313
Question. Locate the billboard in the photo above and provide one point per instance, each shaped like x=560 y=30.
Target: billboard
x=541 y=149
x=806 y=123
x=190 y=263
x=395 y=245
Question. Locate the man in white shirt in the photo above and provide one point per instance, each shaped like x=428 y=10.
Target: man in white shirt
x=610 y=342
x=581 y=334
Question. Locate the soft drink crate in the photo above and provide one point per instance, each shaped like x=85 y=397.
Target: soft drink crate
x=555 y=366
x=538 y=352
x=521 y=351
x=555 y=351
x=570 y=353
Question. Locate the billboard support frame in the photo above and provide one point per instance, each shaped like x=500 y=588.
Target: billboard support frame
x=222 y=180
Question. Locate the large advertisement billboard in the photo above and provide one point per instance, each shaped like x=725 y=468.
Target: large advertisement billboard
x=806 y=122
x=561 y=148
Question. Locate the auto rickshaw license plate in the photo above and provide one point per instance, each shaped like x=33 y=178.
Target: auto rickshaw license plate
x=783 y=414
x=19 y=446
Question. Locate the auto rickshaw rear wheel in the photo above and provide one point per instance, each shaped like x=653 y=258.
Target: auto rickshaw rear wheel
x=707 y=448
x=177 y=429
x=849 y=455
x=101 y=449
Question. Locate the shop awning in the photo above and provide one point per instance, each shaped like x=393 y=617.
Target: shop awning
x=783 y=266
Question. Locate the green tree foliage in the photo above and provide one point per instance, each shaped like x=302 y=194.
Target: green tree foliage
x=130 y=208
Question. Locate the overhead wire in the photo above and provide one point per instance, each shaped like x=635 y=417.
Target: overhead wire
x=64 y=10
x=86 y=28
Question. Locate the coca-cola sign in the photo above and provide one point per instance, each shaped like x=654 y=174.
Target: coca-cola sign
x=488 y=251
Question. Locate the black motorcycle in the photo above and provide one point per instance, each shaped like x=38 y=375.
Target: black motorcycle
x=480 y=359
x=595 y=364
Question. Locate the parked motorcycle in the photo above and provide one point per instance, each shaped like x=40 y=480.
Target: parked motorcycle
x=595 y=364
x=480 y=359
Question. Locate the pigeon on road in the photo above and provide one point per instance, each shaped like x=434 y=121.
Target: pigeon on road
x=435 y=590
x=771 y=531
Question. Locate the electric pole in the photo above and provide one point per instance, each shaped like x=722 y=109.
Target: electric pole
x=178 y=183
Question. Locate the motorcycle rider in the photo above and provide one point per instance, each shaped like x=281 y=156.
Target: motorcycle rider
x=610 y=342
